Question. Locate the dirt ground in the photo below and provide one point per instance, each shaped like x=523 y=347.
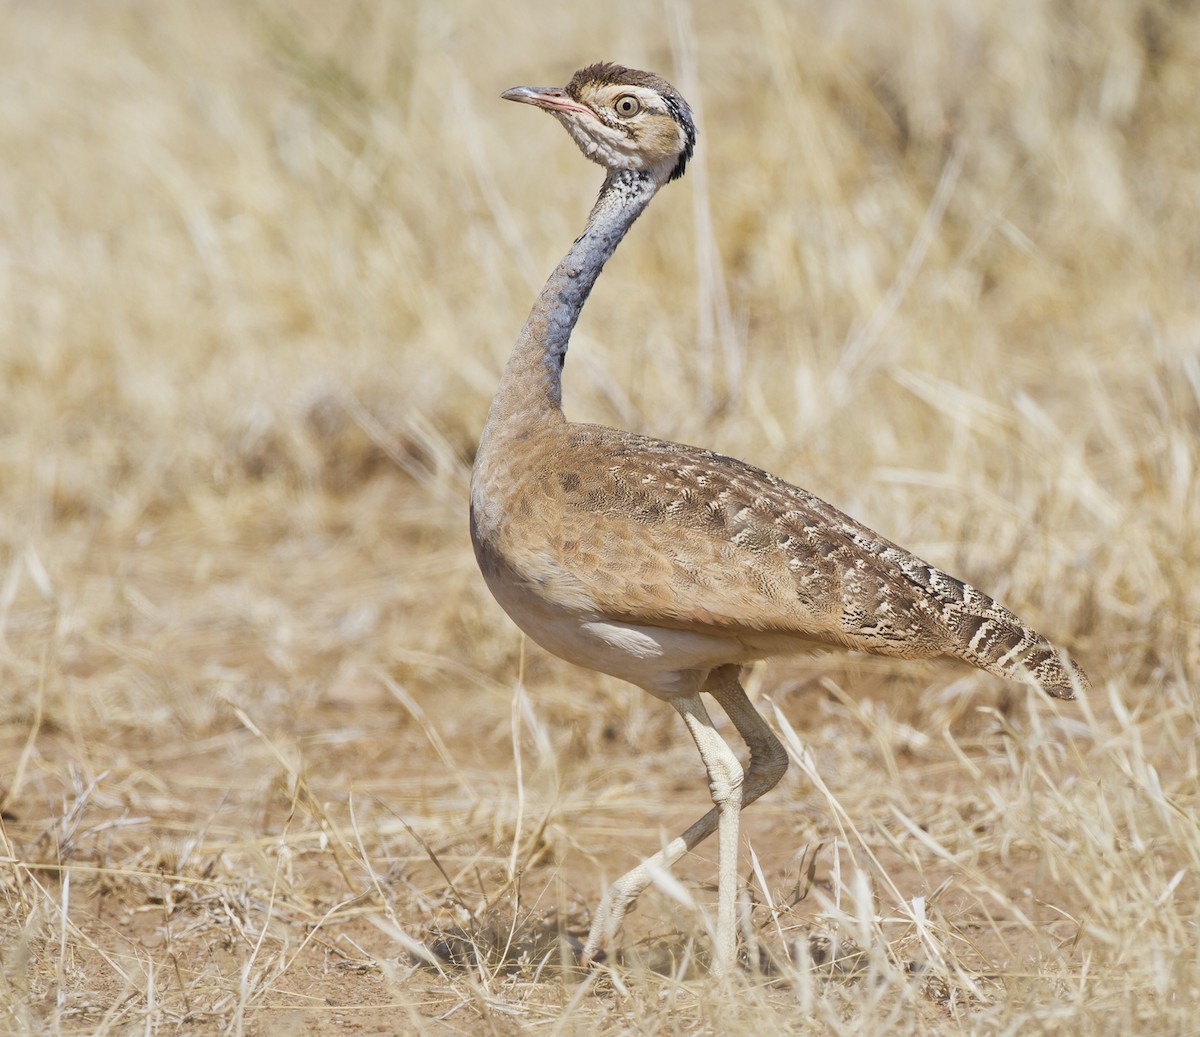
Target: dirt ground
x=264 y=878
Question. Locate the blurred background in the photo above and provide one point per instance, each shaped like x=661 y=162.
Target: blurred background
x=260 y=267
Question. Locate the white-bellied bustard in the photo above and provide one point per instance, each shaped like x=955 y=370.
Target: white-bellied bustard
x=667 y=565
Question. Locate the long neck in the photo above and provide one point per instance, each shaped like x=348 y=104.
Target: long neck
x=531 y=387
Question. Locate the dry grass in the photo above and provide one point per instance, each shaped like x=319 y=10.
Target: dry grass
x=260 y=723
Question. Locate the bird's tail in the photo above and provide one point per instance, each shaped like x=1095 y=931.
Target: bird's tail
x=987 y=635
x=978 y=629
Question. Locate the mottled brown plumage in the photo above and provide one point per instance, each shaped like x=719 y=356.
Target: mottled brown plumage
x=671 y=535
x=669 y=565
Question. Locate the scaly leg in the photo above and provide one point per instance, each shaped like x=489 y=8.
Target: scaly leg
x=768 y=758
x=768 y=762
x=725 y=779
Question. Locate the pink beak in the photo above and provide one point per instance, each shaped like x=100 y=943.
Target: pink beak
x=552 y=98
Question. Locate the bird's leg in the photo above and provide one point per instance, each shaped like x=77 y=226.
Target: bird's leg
x=606 y=922
x=725 y=779
x=768 y=758
x=725 y=784
x=768 y=762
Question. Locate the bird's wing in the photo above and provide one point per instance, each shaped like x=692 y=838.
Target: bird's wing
x=669 y=535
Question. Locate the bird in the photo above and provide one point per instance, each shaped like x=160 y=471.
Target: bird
x=671 y=566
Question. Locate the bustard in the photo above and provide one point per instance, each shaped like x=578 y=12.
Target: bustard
x=667 y=565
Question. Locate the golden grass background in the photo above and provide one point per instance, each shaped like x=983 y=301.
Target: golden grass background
x=260 y=265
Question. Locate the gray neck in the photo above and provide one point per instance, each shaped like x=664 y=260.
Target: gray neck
x=531 y=385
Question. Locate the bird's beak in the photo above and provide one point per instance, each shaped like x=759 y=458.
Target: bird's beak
x=552 y=98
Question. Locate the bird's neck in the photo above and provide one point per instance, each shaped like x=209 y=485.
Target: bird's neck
x=530 y=389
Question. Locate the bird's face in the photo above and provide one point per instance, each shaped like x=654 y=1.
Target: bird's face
x=620 y=118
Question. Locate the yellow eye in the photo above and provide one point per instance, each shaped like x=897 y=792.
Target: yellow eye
x=627 y=106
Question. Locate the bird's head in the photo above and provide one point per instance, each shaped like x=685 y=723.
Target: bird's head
x=621 y=118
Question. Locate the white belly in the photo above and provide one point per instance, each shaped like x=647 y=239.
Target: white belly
x=664 y=662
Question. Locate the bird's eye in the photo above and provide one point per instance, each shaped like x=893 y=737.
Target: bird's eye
x=627 y=106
